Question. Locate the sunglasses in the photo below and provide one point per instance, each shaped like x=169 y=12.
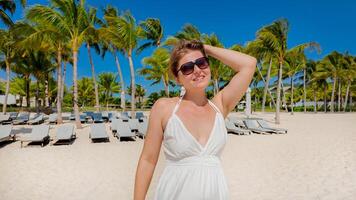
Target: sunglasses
x=188 y=68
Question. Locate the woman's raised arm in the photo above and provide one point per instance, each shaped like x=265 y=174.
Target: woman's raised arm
x=241 y=63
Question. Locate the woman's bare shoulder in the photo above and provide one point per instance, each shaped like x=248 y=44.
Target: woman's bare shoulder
x=164 y=105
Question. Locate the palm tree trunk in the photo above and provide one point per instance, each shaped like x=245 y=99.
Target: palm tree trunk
x=351 y=106
x=133 y=86
x=339 y=96
x=94 y=79
x=332 y=95
x=75 y=88
x=123 y=101
x=304 y=90
x=284 y=99
x=165 y=86
x=264 y=82
x=347 y=94
x=21 y=101
x=216 y=86
x=314 y=94
x=279 y=93
x=28 y=82
x=291 y=99
x=266 y=85
x=63 y=80
x=37 y=96
x=46 y=91
x=7 y=90
x=59 y=87
x=325 y=101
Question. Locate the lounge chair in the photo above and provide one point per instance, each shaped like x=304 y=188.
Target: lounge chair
x=112 y=115
x=83 y=118
x=125 y=116
x=97 y=118
x=22 y=118
x=142 y=129
x=37 y=119
x=238 y=122
x=133 y=123
x=105 y=115
x=52 y=118
x=4 y=118
x=140 y=116
x=234 y=129
x=13 y=115
x=97 y=132
x=124 y=130
x=265 y=125
x=5 y=133
x=255 y=127
x=39 y=133
x=65 y=133
x=114 y=125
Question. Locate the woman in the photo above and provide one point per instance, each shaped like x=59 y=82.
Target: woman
x=192 y=127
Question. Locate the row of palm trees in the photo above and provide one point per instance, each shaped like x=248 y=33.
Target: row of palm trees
x=49 y=38
x=59 y=30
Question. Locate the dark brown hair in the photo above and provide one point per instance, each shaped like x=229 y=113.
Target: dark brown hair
x=182 y=48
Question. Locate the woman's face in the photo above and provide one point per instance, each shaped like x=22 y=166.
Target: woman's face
x=199 y=78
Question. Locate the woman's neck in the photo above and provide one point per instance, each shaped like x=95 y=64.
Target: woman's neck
x=199 y=98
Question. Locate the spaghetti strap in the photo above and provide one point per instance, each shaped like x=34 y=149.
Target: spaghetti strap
x=177 y=105
x=214 y=106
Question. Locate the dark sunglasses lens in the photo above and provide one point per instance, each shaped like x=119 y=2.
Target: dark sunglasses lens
x=187 y=68
x=202 y=63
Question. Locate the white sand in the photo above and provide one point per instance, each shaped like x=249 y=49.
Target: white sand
x=315 y=160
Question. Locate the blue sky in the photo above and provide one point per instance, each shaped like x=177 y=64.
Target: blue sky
x=330 y=23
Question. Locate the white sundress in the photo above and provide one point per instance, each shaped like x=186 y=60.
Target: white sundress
x=193 y=171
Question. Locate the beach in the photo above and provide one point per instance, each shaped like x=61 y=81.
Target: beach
x=315 y=160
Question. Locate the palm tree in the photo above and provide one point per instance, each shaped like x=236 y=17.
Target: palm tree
x=320 y=75
x=7 y=55
x=140 y=93
x=332 y=68
x=349 y=74
x=8 y=5
x=111 y=40
x=70 y=17
x=108 y=86
x=130 y=35
x=276 y=34
x=292 y=65
x=265 y=52
x=92 y=40
x=152 y=31
x=17 y=87
x=85 y=91
x=159 y=71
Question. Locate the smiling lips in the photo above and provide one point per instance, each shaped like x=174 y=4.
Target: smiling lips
x=199 y=78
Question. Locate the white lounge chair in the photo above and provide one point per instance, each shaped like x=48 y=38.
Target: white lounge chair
x=5 y=133
x=124 y=130
x=52 y=118
x=231 y=128
x=39 y=133
x=142 y=129
x=37 y=119
x=255 y=127
x=65 y=132
x=265 y=125
x=98 y=132
x=22 y=118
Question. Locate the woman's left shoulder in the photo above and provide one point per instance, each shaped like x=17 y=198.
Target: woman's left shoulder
x=217 y=101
